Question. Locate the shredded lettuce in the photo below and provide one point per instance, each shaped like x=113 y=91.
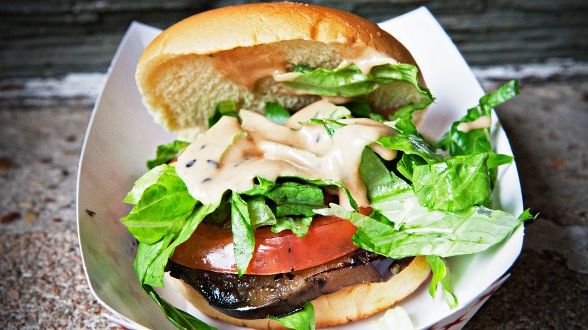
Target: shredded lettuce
x=454 y=185
x=441 y=276
x=301 y=320
x=294 y=198
x=276 y=113
x=176 y=316
x=298 y=225
x=223 y=108
x=243 y=236
x=164 y=204
x=349 y=81
x=167 y=152
x=458 y=142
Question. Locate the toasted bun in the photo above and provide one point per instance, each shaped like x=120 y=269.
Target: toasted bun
x=181 y=85
x=349 y=304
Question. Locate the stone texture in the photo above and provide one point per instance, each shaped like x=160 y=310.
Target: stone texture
x=42 y=279
x=60 y=36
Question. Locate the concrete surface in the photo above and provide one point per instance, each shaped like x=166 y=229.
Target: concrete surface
x=41 y=279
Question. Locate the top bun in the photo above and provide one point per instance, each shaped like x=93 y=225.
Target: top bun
x=181 y=85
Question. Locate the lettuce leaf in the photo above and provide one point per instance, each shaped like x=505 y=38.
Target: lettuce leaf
x=176 y=316
x=162 y=205
x=260 y=213
x=223 y=108
x=380 y=183
x=154 y=273
x=329 y=124
x=276 y=113
x=298 y=225
x=148 y=179
x=454 y=185
x=458 y=142
x=294 y=198
x=362 y=109
x=418 y=231
x=167 y=152
x=301 y=320
x=441 y=276
x=243 y=236
x=349 y=81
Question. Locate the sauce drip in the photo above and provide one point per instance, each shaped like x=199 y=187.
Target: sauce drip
x=482 y=122
x=230 y=155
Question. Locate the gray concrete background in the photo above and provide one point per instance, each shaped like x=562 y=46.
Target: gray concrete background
x=42 y=123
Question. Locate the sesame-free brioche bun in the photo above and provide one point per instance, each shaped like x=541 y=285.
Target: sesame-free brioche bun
x=181 y=84
x=346 y=305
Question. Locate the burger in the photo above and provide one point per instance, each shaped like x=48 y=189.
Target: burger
x=300 y=193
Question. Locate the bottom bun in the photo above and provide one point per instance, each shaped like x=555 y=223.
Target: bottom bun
x=349 y=304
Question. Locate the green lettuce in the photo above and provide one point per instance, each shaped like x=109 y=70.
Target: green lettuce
x=223 y=108
x=329 y=124
x=176 y=316
x=362 y=109
x=457 y=142
x=349 y=81
x=298 y=225
x=292 y=198
x=167 y=152
x=380 y=183
x=301 y=320
x=441 y=276
x=243 y=235
x=276 y=113
x=164 y=204
x=453 y=185
x=418 y=231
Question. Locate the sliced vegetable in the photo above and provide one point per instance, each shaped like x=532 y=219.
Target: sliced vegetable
x=243 y=238
x=298 y=225
x=276 y=113
x=176 y=316
x=441 y=276
x=166 y=152
x=454 y=185
x=418 y=231
x=210 y=248
x=223 y=108
x=301 y=320
x=162 y=205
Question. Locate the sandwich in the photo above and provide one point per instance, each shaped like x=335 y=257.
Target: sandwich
x=300 y=193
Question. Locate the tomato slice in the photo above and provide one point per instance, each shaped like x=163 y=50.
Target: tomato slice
x=211 y=248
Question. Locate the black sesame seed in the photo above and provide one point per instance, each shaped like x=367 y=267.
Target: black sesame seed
x=206 y=180
x=212 y=162
x=190 y=163
x=289 y=250
x=202 y=146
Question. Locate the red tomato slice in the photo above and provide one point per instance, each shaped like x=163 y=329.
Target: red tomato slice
x=211 y=248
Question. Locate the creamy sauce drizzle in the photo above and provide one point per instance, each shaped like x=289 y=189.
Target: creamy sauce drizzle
x=367 y=59
x=229 y=156
x=482 y=122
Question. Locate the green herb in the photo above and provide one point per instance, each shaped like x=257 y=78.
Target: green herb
x=243 y=236
x=162 y=205
x=223 y=108
x=329 y=124
x=301 y=320
x=176 y=316
x=454 y=185
x=276 y=113
x=166 y=152
x=148 y=179
x=298 y=225
x=441 y=276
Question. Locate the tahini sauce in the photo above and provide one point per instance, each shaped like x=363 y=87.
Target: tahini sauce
x=229 y=156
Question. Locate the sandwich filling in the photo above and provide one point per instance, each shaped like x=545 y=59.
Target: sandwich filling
x=263 y=213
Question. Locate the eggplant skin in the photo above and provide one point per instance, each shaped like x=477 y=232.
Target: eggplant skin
x=262 y=296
